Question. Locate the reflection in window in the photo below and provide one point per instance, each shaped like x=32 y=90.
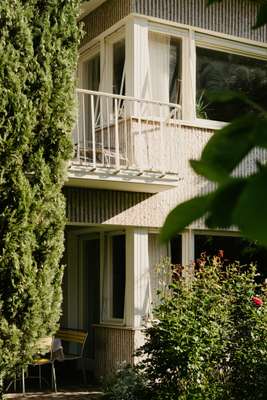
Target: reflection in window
x=175 y=72
x=119 y=67
x=176 y=250
x=218 y=70
x=118 y=275
x=91 y=72
x=234 y=249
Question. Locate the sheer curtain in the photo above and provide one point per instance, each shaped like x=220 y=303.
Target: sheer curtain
x=159 y=68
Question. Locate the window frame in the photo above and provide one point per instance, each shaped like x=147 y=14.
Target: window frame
x=84 y=57
x=223 y=45
x=107 y=280
x=109 y=42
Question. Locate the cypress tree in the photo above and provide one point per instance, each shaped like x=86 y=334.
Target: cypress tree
x=38 y=54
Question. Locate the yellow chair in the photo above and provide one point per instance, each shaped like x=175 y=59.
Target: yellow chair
x=44 y=349
x=74 y=337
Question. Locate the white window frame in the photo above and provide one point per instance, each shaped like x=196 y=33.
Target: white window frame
x=109 y=42
x=107 y=279
x=224 y=45
x=191 y=37
x=86 y=56
x=182 y=35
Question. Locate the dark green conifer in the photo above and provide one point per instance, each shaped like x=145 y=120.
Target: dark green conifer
x=38 y=53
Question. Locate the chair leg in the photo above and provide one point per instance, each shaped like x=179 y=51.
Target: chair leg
x=40 y=377
x=54 y=378
x=84 y=372
x=23 y=381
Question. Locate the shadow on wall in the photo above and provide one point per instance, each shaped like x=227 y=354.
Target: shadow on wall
x=97 y=206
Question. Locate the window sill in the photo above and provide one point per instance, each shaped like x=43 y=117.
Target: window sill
x=112 y=325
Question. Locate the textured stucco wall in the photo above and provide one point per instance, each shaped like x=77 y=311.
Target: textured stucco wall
x=234 y=17
x=143 y=209
x=104 y=17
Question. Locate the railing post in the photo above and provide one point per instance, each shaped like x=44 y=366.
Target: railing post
x=117 y=145
x=84 y=127
x=102 y=130
x=93 y=129
x=78 y=127
x=162 y=142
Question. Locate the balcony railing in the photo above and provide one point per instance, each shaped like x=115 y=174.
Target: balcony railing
x=126 y=133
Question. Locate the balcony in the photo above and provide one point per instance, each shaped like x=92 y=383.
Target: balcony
x=125 y=143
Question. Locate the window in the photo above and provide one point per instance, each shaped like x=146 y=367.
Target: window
x=91 y=73
x=217 y=70
x=118 y=275
x=175 y=72
x=234 y=249
x=119 y=67
x=176 y=250
x=165 y=68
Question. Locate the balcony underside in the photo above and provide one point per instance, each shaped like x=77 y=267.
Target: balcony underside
x=125 y=179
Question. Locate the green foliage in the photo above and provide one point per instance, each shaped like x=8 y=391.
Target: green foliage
x=38 y=52
x=127 y=383
x=243 y=199
x=209 y=339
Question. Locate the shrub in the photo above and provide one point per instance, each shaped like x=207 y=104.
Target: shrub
x=127 y=383
x=209 y=337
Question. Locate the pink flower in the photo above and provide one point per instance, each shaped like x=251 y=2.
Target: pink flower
x=257 y=301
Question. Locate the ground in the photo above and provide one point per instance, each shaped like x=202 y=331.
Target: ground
x=69 y=394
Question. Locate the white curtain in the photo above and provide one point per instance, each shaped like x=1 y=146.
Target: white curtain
x=157 y=253
x=159 y=68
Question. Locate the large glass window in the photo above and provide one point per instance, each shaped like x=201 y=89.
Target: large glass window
x=217 y=70
x=118 y=276
x=233 y=249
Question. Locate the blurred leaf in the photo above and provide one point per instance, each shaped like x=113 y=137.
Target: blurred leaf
x=226 y=96
x=207 y=169
x=226 y=149
x=183 y=215
x=251 y=211
x=261 y=16
x=224 y=202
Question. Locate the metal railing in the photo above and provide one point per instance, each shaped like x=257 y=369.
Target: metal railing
x=122 y=132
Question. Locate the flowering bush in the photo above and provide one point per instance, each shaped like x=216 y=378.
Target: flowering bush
x=209 y=337
x=127 y=383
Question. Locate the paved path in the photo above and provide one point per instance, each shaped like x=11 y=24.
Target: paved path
x=80 y=394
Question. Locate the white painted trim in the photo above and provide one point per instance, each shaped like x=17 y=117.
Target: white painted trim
x=218 y=232
x=85 y=57
x=230 y=46
x=188 y=248
x=165 y=24
x=191 y=37
x=89 y=53
x=129 y=281
x=120 y=25
x=72 y=283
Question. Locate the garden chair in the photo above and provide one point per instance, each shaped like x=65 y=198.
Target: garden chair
x=43 y=356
